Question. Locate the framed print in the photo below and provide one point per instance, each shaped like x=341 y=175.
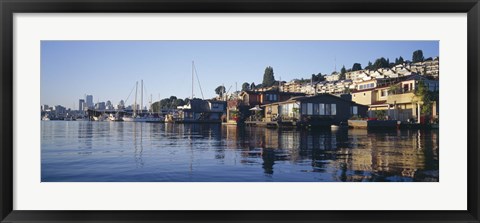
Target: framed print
x=199 y=111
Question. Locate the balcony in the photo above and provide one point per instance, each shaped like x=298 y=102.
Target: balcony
x=404 y=98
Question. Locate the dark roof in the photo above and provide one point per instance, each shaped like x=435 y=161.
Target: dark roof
x=391 y=81
x=303 y=98
x=273 y=91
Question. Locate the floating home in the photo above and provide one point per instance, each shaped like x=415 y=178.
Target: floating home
x=239 y=110
x=201 y=111
x=395 y=97
x=315 y=111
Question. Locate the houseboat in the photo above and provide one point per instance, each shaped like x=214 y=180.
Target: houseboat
x=321 y=110
x=201 y=111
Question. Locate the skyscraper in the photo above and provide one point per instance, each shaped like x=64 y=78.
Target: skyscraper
x=89 y=99
x=81 y=105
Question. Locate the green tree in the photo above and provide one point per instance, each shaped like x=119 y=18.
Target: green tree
x=369 y=66
x=417 y=56
x=380 y=63
x=245 y=86
x=424 y=96
x=155 y=106
x=400 y=60
x=316 y=77
x=180 y=102
x=356 y=66
x=268 y=77
x=252 y=86
x=342 y=73
x=220 y=90
x=320 y=77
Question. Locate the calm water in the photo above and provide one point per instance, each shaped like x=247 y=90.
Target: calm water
x=154 y=152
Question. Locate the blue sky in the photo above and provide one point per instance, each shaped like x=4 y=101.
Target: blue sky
x=108 y=70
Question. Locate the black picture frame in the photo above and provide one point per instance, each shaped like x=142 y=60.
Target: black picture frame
x=9 y=7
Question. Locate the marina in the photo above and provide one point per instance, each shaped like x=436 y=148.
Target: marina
x=376 y=123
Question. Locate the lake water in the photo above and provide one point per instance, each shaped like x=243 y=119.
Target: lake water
x=84 y=151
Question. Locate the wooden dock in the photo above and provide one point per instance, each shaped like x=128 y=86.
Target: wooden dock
x=262 y=124
x=373 y=124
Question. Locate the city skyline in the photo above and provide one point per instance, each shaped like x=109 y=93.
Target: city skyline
x=108 y=70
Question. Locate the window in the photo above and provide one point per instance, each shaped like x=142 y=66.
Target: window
x=316 y=110
x=328 y=110
x=309 y=109
x=354 y=110
x=383 y=93
x=334 y=109
x=304 y=109
x=322 y=109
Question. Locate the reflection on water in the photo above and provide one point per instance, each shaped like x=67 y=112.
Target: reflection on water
x=154 y=152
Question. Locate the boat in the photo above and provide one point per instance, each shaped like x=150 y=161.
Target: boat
x=138 y=117
x=135 y=119
x=100 y=118
x=169 y=118
x=115 y=118
x=341 y=125
x=152 y=118
x=45 y=118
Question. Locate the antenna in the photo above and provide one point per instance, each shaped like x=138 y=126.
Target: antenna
x=279 y=83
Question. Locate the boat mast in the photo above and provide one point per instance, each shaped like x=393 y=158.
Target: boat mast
x=150 y=108
x=135 y=104
x=141 y=101
x=193 y=67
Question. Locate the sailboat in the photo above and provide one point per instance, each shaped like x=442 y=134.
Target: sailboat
x=151 y=117
x=140 y=118
x=132 y=118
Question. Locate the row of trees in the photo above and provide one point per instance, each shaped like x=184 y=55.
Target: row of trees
x=169 y=103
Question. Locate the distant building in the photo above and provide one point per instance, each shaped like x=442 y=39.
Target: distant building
x=109 y=105
x=60 y=110
x=333 y=77
x=292 y=86
x=81 y=104
x=89 y=100
x=100 y=106
x=121 y=105
x=45 y=107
